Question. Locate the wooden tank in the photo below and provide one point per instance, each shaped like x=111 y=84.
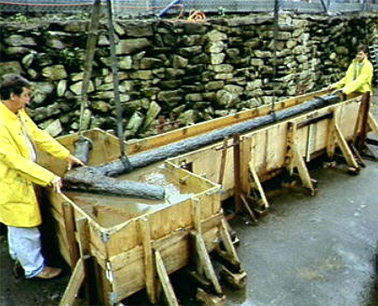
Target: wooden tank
x=137 y=242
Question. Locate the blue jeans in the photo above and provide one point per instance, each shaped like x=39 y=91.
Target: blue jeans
x=25 y=246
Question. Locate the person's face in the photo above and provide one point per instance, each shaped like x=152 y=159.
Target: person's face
x=20 y=101
x=360 y=56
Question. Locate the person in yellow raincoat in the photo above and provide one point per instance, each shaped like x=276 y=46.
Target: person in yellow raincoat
x=20 y=138
x=359 y=75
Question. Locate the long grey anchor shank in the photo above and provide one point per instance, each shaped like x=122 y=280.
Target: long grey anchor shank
x=90 y=179
x=143 y=159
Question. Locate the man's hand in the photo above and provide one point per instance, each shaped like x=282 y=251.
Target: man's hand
x=72 y=161
x=56 y=184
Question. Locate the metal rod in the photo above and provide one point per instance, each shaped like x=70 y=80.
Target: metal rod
x=117 y=99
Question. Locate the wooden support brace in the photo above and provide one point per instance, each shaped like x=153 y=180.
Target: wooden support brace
x=164 y=279
x=69 y=223
x=347 y=152
x=74 y=284
x=205 y=262
x=249 y=209
x=149 y=268
x=258 y=185
x=228 y=245
x=236 y=280
x=373 y=124
x=302 y=169
x=209 y=299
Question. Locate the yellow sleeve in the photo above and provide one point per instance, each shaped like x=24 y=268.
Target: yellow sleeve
x=44 y=141
x=10 y=156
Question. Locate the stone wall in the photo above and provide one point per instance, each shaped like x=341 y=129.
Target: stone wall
x=187 y=72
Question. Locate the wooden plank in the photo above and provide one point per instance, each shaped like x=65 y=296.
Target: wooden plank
x=74 y=285
x=196 y=208
x=205 y=262
x=148 y=260
x=228 y=245
x=302 y=169
x=373 y=124
x=210 y=299
x=347 y=152
x=237 y=173
x=164 y=279
x=258 y=185
x=236 y=280
x=245 y=157
x=68 y=216
x=223 y=161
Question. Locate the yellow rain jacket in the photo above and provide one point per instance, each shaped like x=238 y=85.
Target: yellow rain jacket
x=358 y=78
x=18 y=203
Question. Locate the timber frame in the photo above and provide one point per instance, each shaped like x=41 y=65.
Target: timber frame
x=151 y=246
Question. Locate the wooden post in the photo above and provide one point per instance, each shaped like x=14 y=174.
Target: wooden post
x=237 y=171
x=245 y=157
x=258 y=185
x=351 y=161
x=302 y=170
x=196 y=211
x=362 y=122
x=164 y=279
x=296 y=160
x=223 y=161
x=331 y=144
x=148 y=259
x=205 y=262
x=74 y=285
x=69 y=223
x=228 y=245
x=373 y=124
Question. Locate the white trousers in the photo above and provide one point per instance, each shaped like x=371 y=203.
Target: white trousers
x=25 y=246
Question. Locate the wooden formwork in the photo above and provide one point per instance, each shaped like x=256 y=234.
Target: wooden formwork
x=136 y=244
x=241 y=164
x=139 y=250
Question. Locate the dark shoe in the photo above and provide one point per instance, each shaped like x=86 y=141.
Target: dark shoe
x=49 y=273
x=17 y=270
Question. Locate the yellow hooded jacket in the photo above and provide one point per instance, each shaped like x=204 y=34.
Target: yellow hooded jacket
x=357 y=78
x=18 y=203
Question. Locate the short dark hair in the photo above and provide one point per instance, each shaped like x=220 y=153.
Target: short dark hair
x=12 y=83
x=362 y=48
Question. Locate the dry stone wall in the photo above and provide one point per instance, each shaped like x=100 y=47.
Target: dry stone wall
x=187 y=72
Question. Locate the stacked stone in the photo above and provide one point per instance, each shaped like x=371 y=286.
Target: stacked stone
x=187 y=72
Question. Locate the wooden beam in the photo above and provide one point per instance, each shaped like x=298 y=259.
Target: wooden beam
x=302 y=169
x=236 y=280
x=258 y=185
x=205 y=262
x=209 y=299
x=196 y=211
x=347 y=152
x=373 y=124
x=68 y=217
x=74 y=285
x=228 y=245
x=331 y=139
x=149 y=268
x=237 y=173
x=164 y=279
x=223 y=161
